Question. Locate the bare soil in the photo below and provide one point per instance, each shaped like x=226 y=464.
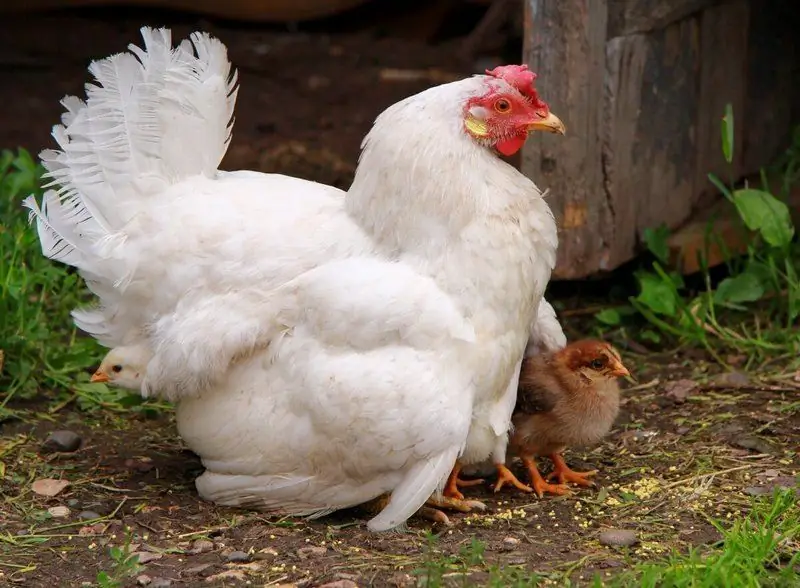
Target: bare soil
x=305 y=103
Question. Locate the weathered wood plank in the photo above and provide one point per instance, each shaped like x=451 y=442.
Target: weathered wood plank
x=773 y=92
x=723 y=79
x=649 y=151
x=565 y=45
x=626 y=17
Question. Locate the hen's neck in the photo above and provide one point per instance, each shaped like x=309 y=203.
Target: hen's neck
x=421 y=179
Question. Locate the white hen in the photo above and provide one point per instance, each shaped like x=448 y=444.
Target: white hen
x=323 y=349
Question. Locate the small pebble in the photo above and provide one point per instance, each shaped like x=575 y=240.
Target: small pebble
x=143 y=580
x=201 y=546
x=618 y=538
x=311 y=551
x=58 y=512
x=88 y=515
x=73 y=502
x=61 y=441
x=754 y=444
x=510 y=543
x=238 y=557
x=147 y=556
x=756 y=490
x=733 y=379
x=161 y=583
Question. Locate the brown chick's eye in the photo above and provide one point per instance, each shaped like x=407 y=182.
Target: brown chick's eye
x=502 y=105
x=116 y=368
x=598 y=364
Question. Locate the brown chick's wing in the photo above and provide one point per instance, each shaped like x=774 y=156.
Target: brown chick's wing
x=535 y=394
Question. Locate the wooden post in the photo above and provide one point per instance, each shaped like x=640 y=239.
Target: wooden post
x=565 y=46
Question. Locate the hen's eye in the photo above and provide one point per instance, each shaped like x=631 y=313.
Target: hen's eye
x=502 y=105
x=116 y=368
x=598 y=364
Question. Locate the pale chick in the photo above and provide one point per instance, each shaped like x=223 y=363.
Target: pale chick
x=569 y=398
x=124 y=367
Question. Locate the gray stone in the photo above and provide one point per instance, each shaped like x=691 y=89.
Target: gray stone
x=238 y=557
x=61 y=441
x=201 y=546
x=161 y=583
x=88 y=515
x=618 y=538
x=144 y=580
x=311 y=551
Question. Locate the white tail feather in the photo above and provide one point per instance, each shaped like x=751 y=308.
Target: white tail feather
x=415 y=489
x=152 y=117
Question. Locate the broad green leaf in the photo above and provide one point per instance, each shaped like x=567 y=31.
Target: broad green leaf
x=762 y=212
x=745 y=287
x=656 y=241
x=727 y=133
x=609 y=316
x=658 y=295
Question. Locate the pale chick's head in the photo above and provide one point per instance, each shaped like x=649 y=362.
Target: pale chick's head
x=595 y=362
x=508 y=110
x=123 y=367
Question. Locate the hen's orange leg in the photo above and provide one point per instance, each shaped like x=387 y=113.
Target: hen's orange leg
x=540 y=485
x=505 y=475
x=453 y=482
x=564 y=474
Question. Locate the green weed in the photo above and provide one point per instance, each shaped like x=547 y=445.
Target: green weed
x=41 y=348
x=753 y=310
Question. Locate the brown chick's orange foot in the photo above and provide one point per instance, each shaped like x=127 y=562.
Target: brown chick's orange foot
x=563 y=474
x=453 y=482
x=505 y=475
x=540 y=485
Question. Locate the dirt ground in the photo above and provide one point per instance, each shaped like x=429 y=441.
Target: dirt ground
x=306 y=101
x=677 y=455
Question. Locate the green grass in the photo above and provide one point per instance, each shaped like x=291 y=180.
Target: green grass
x=43 y=352
x=760 y=550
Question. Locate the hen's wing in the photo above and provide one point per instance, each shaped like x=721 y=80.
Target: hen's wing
x=362 y=341
x=546 y=333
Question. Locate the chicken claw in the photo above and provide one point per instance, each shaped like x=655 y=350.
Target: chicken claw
x=540 y=485
x=453 y=482
x=562 y=472
x=506 y=475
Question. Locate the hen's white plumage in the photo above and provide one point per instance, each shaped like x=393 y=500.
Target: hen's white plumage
x=323 y=349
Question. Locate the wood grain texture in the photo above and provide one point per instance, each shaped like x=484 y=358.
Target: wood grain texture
x=723 y=79
x=626 y=17
x=565 y=46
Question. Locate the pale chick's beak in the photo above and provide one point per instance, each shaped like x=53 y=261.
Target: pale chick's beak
x=550 y=124
x=99 y=376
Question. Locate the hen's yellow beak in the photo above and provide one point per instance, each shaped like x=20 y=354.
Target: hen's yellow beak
x=550 y=124
x=99 y=376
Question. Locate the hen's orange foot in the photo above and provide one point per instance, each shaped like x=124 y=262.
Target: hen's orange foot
x=505 y=475
x=454 y=482
x=563 y=474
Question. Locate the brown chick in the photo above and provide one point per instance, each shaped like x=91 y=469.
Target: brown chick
x=565 y=398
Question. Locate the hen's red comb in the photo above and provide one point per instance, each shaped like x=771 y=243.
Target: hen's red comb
x=520 y=77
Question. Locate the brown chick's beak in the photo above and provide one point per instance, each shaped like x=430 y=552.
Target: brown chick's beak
x=99 y=376
x=620 y=371
x=550 y=124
